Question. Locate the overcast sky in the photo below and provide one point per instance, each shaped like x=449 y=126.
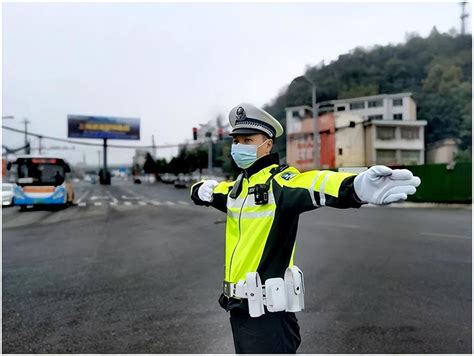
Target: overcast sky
x=177 y=65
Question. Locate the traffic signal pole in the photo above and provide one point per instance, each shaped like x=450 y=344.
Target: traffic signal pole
x=209 y=157
x=105 y=175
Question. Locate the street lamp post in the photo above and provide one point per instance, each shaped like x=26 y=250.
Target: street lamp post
x=316 y=138
x=209 y=152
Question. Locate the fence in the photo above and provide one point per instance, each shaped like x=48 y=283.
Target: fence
x=443 y=183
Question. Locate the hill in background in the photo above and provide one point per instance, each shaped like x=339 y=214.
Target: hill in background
x=437 y=70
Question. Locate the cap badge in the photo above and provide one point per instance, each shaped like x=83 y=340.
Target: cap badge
x=240 y=114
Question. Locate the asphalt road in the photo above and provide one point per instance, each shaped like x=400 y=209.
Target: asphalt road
x=138 y=269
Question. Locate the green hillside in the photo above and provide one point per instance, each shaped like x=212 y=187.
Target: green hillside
x=436 y=69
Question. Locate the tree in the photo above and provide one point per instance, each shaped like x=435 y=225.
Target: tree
x=437 y=70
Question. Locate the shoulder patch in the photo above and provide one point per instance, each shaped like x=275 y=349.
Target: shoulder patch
x=288 y=175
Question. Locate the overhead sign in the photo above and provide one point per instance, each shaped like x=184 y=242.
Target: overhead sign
x=115 y=128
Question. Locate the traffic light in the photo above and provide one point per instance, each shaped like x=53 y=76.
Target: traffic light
x=195 y=133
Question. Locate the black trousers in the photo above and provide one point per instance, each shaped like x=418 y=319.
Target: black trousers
x=270 y=333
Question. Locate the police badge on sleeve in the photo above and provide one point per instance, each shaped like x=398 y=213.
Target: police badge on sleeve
x=288 y=175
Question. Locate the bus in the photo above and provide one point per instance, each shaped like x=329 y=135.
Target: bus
x=41 y=180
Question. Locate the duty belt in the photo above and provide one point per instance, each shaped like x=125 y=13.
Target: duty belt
x=236 y=290
x=277 y=294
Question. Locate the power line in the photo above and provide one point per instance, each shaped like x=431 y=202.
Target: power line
x=84 y=143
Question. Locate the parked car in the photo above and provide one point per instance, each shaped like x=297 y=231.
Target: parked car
x=168 y=178
x=7 y=194
x=183 y=181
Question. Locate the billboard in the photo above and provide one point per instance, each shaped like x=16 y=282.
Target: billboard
x=116 y=128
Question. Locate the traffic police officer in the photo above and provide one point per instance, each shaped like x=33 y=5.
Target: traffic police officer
x=263 y=206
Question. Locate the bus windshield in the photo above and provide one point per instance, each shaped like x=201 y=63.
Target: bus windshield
x=40 y=172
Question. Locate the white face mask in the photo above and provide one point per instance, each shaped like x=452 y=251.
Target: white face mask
x=245 y=155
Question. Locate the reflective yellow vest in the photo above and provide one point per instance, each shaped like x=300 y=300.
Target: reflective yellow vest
x=262 y=237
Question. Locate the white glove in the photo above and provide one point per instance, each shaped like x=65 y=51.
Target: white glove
x=382 y=185
x=206 y=189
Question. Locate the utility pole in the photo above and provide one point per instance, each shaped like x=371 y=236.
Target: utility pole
x=26 y=122
x=463 y=17
x=315 y=107
x=153 y=145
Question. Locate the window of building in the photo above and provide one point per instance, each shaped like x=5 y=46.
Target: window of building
x=410 y=157
x=375 y=103
x=296 y=113
x=357 y=105
x=397 y=102
x=385 y=133
x=375 y=117
x=386 y=157
x=410 y=133
x=340 y=151
x=398 y=116
x=341 y=108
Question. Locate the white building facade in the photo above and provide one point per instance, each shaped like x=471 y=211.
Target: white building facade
x=397 y=107
x=379 y=129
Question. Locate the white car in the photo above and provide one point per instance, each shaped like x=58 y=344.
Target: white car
x=7 y=194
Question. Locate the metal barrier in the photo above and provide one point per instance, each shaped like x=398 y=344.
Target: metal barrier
x=443 y=183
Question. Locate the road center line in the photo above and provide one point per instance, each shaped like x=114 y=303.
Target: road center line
x=445 y=235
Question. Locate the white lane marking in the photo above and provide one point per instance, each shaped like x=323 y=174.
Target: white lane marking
x=170 y=203
x=127 y=203
x=183 y=202
x=156 y=202
x=113 y=203
x=114 y=200
x=339 y=225
x=445 y=235
x=131 y=197
x=81 y=204
x=83 y=196
x=132 y=193
x=26 y=218
x=141 y=203
x=97 y=197
x=97 y=203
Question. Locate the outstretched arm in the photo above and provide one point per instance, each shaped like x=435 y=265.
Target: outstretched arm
x=378 y=185
x=306 y=191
